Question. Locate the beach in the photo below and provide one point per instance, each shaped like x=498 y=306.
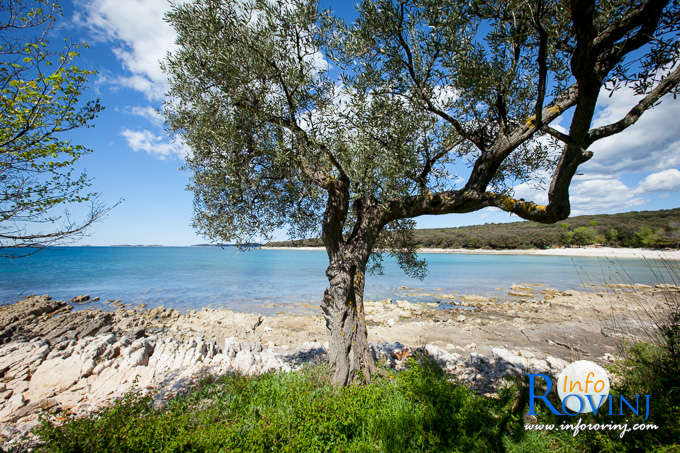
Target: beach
x=73 y=362
x=583 y=252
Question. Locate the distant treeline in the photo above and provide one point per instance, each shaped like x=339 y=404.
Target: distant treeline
x=649 y=229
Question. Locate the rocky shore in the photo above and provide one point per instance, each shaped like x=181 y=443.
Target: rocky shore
x=61 y=361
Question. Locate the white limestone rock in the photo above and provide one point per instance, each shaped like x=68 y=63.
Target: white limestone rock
x=244 y=361
x=16 y=401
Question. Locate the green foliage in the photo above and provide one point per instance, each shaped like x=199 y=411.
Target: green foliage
x=419 y=409
x=415 y=410
x=612 y=236
x=39 y=100
x=297 y=119
x=657 y=228
x=653 y=367
x=276 y=124
x=248 y=166
x=585 y=236
x=646 y=237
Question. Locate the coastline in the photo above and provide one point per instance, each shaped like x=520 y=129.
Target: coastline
x=582 y=252
x=74 y=362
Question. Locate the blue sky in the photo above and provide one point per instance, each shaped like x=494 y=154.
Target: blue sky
x=133 y=158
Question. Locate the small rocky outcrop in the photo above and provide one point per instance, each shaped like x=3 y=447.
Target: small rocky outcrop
x=40 y=316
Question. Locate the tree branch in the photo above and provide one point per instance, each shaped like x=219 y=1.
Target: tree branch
x=429 y=163
x=69 y=231
x=462 y=201
x=488 y=163
x=335 y=215
x=634 y=18
x=605 y=45
x=542 y=64
x=318 y=177
x=478 y=142
x=292 y=125
x=664 y=87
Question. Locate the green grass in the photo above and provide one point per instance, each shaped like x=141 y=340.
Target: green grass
x=652 y=229
x=419 y=409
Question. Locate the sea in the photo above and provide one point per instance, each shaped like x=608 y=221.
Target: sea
x=273 y=281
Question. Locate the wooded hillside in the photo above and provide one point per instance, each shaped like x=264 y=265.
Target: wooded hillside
x=651 y=229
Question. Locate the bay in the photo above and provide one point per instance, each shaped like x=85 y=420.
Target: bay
x=269 y=281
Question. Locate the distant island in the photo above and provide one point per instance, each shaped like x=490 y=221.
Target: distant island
x=648 y=229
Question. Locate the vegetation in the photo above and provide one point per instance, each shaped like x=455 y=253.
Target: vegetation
x=416 y=410
x=651 y=229
x=349 y=131
x=40 y=101
x=653 y=366
x=419 y=409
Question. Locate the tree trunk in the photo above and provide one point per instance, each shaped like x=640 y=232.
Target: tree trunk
x=349 y=353
x=343 y=302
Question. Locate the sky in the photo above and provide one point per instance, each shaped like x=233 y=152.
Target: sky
x=135 y=161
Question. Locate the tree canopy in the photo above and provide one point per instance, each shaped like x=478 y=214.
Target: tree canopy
x=277 y=98
x=40 y=92
x=296 y=118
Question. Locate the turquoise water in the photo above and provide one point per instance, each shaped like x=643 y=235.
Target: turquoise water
x=278 y=280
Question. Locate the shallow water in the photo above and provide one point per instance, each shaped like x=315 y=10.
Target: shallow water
x=279 y=280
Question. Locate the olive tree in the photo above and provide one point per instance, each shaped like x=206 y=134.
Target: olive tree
x=297 y=119
x=40 y=91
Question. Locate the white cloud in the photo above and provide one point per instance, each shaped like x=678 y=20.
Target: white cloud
x=156 y=145
x=663 y=181
x=489 y=213
x=651 y=144
x=149 y=113
x=141 y=39
x=531 y=193
x=444 y=95
x=598 y=196
x=140 y=36
x=153 y=90
x=589 y=195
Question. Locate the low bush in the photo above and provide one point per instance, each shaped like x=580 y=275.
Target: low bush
x=419 y=409
x=415 y=410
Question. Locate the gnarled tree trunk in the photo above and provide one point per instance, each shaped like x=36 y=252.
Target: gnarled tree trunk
x=343 y=302
x=349 y=353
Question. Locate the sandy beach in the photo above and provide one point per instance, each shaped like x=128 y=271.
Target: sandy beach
x=586 y=252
